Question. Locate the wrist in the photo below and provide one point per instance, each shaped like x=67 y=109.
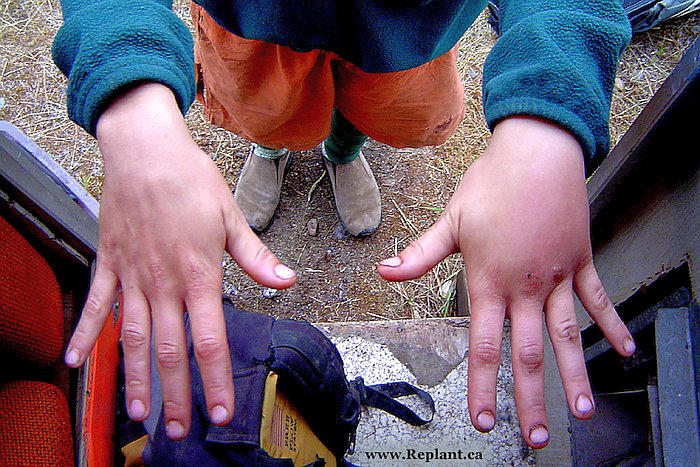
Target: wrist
x=142 y=128
x=139 y=108
x=536 y=143
x=534 y=130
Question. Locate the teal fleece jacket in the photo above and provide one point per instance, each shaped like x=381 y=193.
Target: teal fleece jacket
x=556 y=59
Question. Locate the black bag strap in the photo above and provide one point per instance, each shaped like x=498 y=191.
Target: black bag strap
x=383 y=396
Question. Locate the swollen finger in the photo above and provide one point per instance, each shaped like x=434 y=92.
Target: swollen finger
x=173 y=367
x=484 y=358
x=136 y=342
x=565 y=335
x=212 y=353
x=527 y=346
x=98 y=306
x=590 y=291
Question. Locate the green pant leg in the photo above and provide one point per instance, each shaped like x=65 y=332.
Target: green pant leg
x=345 y=141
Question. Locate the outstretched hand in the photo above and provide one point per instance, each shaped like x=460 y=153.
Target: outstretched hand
x=520 y=219
x=166 y=217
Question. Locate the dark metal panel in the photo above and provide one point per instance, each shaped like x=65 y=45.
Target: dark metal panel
x=617 y=434
x=655 y=419
x=678 y=402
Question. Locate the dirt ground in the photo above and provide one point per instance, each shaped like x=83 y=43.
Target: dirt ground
x=337 y=278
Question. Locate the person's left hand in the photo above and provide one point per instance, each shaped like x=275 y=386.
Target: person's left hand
x=520 y=219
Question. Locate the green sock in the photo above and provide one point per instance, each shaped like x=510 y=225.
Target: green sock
x=268 y=153
x=345 y=141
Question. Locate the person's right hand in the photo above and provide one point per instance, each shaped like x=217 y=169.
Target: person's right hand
x=166 y=217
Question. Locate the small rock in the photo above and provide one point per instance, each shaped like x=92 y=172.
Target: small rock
x=340 y=232
x=389 y=181
x=330 y=252
x=312 y=227
x=270 y=293
x=619 y=84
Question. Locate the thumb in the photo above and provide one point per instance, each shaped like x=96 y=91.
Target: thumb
x=254 y=257
x=421 y=255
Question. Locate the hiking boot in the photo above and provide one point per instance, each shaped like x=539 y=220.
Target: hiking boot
x=258 y=188
x=356 y=193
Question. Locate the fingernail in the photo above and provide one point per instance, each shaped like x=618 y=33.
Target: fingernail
x=584 y=404
x=486 y=420
x=137 y=410
x=629 y=346
x=283 y=272
x=72 y=357
x=174 y=430
x=218 y=415
x=391 y=262
x=539 y=434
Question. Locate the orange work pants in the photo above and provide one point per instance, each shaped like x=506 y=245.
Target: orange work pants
x=279 y=98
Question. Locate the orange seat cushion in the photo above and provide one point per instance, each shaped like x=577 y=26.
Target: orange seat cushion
x=35 y=425
x=31 y=314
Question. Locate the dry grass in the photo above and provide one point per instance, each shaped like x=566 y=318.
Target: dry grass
x=32 y=97
x=33 y=91
x=644 y=66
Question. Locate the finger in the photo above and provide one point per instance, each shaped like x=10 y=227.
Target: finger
x=528 y=371
x=98 y=305
x=173 y=367
x=212 y=353
x=421 y=255
x=136 y=342
x=253 y=256
x=596 y=302
x=484 y=359
x=565 y=334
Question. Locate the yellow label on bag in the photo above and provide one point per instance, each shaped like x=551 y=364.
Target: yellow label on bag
x=285 y=434
x=133 y=452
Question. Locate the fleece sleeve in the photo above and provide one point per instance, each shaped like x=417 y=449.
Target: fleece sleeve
x=105 y=45
x=556 y=59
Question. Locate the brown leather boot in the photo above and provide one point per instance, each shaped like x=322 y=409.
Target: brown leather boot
x=356 y=193
x=259 y=185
